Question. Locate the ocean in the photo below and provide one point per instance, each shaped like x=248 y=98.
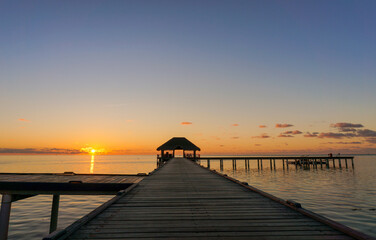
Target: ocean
x=344 y=195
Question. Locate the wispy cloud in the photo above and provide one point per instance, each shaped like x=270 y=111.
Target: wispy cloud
x=235 y=125
x=336 y=135
x=344 y=142
x=39 y=151
x=23 y=120
x=264 y=135
x=284 y=135
x=295 y=132
x=262 y=126
x=346 y=125
x=314 y=134
x=235 y=137
x=366 y=133
x=186 y=123
x=371 y=140
x=283 y=125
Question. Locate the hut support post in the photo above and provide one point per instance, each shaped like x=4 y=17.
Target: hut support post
x=54 y=212
x=274 y=163
x=352 y=162
x=221 y=164
x=321 y=162
x=194 y=155
x=271 y=166
x=346 y=162
x=248 y=164
x=327 y=163
x=261 y=163
x=6 y=204
x=258 y=163
x=339 y=163
x=283 y=163
x=334 y=163
x=208 y=163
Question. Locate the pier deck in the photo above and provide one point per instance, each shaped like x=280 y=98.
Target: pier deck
x=184 y=200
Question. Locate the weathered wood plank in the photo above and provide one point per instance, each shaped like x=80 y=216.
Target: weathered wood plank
x=183 y=200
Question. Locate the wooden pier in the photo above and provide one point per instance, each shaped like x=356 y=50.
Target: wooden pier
x=302 y=161
x=18 y=186
x=184 y=200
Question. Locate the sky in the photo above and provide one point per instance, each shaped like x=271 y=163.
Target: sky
x=234 y=77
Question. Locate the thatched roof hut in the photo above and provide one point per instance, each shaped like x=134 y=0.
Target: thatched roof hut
x=178 y=143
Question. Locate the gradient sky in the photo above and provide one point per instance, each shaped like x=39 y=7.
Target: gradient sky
x=125 y=76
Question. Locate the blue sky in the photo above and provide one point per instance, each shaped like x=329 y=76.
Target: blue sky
x=114 y=73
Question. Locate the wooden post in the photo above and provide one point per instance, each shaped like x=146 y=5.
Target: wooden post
x=274 y=163
x=245 y=164
x=346 y=162
x=6 y=204
x=334 y=163
x=327 y=163
x=287 y=163
x=208 y=163
x=283 y=163
x=194 y=155
x=296 y=163
x=339 y=163
x=221 y=164
x=321 y=162
x=258 y=163
x=261 y=163
x=248 y=163
x=235 y=163
x=271 y=166
x=54 y=212
x=352 y=162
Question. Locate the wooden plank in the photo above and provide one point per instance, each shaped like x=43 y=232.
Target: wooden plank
x=183 y=200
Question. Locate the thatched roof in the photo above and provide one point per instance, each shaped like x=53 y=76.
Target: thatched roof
x=178 y=143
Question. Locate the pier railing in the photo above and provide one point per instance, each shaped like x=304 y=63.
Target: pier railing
x=297 y=161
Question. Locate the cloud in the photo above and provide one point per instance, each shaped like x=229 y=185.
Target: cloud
x=344 y=142
x=262 y=126
x=257 y=145
x=235 y=137
x=23 y=120
x=235 y=125
x=371 y=140
x=186 y=123
x=284 y=135
x=346 y=125
x=336 y=135
x=366 y=133
x=283 y=125
x=264 y=135
x=40 y=150
x=295 y=132
x=314 y=134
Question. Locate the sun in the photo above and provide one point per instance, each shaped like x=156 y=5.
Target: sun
x=93 y=151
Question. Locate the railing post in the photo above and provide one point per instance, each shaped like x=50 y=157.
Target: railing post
x=6 y=204
x=54 y=212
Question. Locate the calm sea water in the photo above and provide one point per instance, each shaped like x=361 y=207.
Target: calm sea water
x=345 y=195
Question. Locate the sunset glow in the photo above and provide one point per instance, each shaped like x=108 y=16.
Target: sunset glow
x=82 y=79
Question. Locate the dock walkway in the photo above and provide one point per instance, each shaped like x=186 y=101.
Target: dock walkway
x=184 y=200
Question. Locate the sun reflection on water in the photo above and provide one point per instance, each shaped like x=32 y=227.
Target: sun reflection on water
x=92 y=164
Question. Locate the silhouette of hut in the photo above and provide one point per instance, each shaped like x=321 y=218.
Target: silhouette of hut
x=177 y=143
